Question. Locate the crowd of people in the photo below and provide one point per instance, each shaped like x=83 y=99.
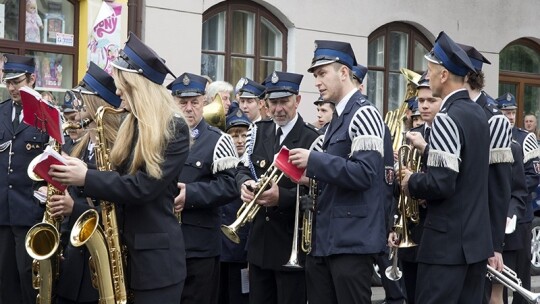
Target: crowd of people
x=174 y=176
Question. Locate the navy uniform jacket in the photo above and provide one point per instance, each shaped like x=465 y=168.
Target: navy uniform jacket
x=518 y=199
x=151 y=231
x=350 y=213
x=531 y=160
x=75 y=282
x=230 y=251
x=457 y=228
x=271 y=235
x=18 y=207
x=209 y=177
x=500 y=169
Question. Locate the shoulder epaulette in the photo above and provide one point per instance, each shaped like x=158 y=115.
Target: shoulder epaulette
x=225 y=155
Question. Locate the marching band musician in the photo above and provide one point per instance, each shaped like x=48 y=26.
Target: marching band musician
x=206 y=183
x=271 y=235
x=500 y=160
x=456 y=240
x=359 y=74
x=96 y=89
x=19 y=210
x=144 y=181
x=349 y=229
x=428 y=106
x=531 y=162
x=251 y=99
x=325 y=112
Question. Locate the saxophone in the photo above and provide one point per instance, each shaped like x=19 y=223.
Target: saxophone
x=42 y=243
x=106 y=259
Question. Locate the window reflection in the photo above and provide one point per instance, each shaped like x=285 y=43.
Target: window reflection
x=9 y=19
x=520 y=58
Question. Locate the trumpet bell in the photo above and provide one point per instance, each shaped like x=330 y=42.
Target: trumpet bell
x=30 y=169
x=214 y=113
x=42 y=241
x=231 y=232
x=393 y=274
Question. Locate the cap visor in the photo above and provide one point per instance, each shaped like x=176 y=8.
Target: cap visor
x=247 y=95
x=431 y=58
x=8 y=76
x=319 y=63
x=123 y=65
x=509 y=108
x=82 y=90
x=188 y=94
x=274 y=95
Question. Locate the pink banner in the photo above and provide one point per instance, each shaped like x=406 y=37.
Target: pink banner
x=104 y=41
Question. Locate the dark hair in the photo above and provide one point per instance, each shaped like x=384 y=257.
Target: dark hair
x=475 y=80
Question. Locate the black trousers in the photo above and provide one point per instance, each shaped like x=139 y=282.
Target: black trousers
x=268 y=286
x=230 y=284
x=15 y=267
x=410 y=270
x=202 y=281
x=169 y=294
x=523 y=262
x=450 y=283
x=343 y=278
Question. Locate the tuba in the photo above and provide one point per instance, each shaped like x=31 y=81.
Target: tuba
x=42 y=243
x=214 y=113
x=248 y=211
x=106 y=259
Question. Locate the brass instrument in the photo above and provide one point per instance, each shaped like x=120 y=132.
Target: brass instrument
x=307 y=218
x=214 y=113
x=293 y=259
x=106 y=261
x=509 y=279
x=248 y=211
x=42 y=243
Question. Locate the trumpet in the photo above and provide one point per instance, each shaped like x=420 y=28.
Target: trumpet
x=307 y=218
x=293 y=259
x=509 y=279
x=248 y=211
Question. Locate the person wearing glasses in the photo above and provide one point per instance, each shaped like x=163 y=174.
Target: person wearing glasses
x=19 y=210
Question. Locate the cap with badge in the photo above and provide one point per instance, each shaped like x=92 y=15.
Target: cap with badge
x=282 y=84
x=188 y=85
x=413 y=106
x=506 y=102
x=67 y=107
x=251 y=89
x=321 y=101
x=477 y=59
x=137 y=57
x=359 y=72
x=327 y=52
x=16 y=66
x=97 y=82
x=237 y=119
x=423 y=82
x=447 y=53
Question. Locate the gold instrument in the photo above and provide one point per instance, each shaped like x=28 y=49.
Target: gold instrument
x=293 y=259
x=214 y=113
x=248 y=211
x=42 y=243
x=307 y=218
x=106 y=261
x=509 y=279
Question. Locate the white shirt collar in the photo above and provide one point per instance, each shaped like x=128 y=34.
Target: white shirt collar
x=448 y=96
x=340 y=106
x=286 y=129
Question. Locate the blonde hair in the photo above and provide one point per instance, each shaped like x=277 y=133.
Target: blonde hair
x=111 y=124
x=150 y=119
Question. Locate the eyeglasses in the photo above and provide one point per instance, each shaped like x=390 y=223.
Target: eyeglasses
x=13 y=82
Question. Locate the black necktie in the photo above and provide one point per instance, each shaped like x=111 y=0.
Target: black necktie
x=277 y=140
x=18 y=109
x=426 y=134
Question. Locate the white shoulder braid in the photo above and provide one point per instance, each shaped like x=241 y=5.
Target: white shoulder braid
x=445 y=144
x=366 y=130
x=500 y=132
x=530 y=148
x=225 y=155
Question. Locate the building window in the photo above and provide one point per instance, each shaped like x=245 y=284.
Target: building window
x=242 y=40
x=519 y=64
x=44 y=30
x=392 y=47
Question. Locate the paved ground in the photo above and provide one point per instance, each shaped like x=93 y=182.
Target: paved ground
x=378 y=292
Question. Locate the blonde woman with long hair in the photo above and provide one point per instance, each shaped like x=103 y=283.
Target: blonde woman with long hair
x=148 y=155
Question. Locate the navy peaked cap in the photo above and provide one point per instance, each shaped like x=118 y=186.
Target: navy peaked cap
x=448 y=54
x=251 y=89
x=506 y=102
x=16 y=66
x=475 y=56
x=137 y=57
x=97 y=81
x=236 y=119
x=282 y=84
x=423 y=82
x=359 y=72
x=188 y=85
x=327 y=51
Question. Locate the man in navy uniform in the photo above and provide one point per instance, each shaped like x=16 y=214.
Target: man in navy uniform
x=456 y=241
x=271 y=236
x=349 y=229
x=251 y=99
x=531 y=160
x=206 y=182
x=500 y=159
x=359 y=74
x=325 y=112
x=19 y=144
